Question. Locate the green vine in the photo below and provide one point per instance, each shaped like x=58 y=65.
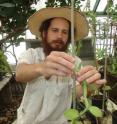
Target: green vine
x=73 y=114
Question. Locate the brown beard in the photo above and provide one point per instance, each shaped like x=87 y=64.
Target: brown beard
x=60 y=46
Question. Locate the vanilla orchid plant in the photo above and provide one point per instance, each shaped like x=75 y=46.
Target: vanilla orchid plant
x=74 y=115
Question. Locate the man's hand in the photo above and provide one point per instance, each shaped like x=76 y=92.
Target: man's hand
x=57 y=63
x=91 y=75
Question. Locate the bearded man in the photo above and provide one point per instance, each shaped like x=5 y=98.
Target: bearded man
x=48 y=70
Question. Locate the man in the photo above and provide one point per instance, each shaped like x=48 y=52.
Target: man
x=48 y=71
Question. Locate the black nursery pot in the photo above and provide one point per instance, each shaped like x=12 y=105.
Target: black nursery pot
x=97 y=100
x=114 y=117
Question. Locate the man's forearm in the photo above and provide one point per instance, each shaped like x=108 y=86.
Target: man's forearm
x=27 y=72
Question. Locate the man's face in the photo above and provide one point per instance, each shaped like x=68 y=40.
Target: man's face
x=57 y=34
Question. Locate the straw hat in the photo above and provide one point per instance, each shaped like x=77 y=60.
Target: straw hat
x=81 y=24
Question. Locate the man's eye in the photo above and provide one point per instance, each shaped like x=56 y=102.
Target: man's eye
x=54 y=30
x=65 y=32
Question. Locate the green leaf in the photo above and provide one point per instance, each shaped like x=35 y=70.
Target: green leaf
x=77 y=67
x=7 y=5
x=4 y=66
x=95 y=111
x=20 y=39
x=9 y=11
x=76 y=122
x=4 y=1
x=71 y=114
x=17 y=1
x=93 y=87
x=107 y=88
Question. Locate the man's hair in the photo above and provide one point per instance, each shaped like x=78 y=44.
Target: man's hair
x=45 y=25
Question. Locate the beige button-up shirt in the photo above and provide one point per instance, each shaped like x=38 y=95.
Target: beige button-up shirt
x=44 y=101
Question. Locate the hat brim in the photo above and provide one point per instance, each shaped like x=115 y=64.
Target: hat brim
x=80 y=22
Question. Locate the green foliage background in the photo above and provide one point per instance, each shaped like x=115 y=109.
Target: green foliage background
x=13 y=17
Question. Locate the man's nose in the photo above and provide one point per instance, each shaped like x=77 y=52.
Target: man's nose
x=59 y=34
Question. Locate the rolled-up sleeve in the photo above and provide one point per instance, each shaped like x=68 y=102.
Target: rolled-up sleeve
x=27 y=57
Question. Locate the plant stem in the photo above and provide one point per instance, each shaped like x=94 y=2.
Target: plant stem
x=85 y=93
x=74 y=91
x=83 y=112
